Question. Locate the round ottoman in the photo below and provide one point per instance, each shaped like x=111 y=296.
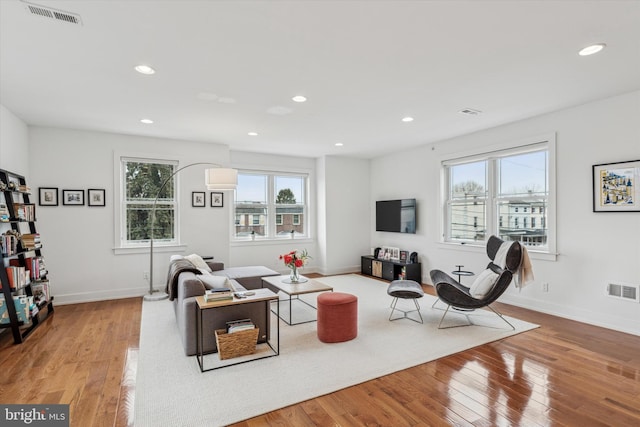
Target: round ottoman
x=405 y=289
x=337 y=317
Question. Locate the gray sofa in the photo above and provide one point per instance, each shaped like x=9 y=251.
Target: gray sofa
x=185 y=282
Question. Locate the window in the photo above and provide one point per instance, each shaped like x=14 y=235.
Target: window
x=484 y=193
x=277 y=199
x=141 y=180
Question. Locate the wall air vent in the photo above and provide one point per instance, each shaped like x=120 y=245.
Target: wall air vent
x=47 y=12
x=623 y=291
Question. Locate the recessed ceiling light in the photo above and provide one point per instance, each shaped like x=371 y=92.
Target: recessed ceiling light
x=339 y=144
x=299 y=98
x=590 y=50
x=146 y=121
x=144 y=69
x=407 y=119
x=252 y=133
x=470 y=111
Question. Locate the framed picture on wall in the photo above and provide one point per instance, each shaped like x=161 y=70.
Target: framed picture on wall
x=48 y=196
x=95 y=197
x=615 y=187
x=217 y=200
x=73 y=197
x=197 y=199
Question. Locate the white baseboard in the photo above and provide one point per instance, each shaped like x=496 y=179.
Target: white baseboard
x=93 y=296
x=583 y=316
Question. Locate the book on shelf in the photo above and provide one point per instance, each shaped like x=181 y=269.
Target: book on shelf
x=240 y=325
x=17 y=276
x=8 y=244
x=217 y=295
x=40 y=292
x=31 y=241
x=21 y=303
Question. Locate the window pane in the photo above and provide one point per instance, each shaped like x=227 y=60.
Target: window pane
x=292 y=220
x=468 y=180
x=528 y=228
x=467 y=220
x=250 y=218
x=138 y=218
x=251 y=189
x=289 y=190
x=524 y=174
x=143 y=181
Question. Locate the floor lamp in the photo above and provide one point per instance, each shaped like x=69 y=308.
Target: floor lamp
x=216 y=178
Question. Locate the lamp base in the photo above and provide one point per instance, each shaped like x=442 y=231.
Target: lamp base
x=157 y=296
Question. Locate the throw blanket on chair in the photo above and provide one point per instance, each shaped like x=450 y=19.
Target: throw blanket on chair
x=524 y=274
x=175 y=268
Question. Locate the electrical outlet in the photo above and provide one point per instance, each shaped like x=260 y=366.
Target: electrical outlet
x=545 y=287
x=145 y=275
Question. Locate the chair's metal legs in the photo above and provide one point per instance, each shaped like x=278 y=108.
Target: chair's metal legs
x=502 y=317
x=469 y=320
x=405 y=313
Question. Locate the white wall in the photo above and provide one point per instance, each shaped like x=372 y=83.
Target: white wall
x=594 y=248
x=79 y=240
x=346 y=213
x=14 y=143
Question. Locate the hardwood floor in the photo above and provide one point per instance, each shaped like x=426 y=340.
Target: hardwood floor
x=564 y=373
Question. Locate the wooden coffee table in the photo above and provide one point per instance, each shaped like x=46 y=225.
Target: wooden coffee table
x=293 y=291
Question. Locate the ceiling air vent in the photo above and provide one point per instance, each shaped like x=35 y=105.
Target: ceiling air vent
x=47 y=12
x=623 y=291
x=470 y=111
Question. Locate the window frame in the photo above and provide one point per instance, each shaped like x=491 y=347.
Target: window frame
x=270 y=223
x=491 y=153
x=121 y=245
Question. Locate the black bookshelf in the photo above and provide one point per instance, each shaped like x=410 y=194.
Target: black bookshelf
x=18 y=220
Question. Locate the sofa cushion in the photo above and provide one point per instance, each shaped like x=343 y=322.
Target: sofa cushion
x=214 y=282
x=191 y=288
x=198 y=262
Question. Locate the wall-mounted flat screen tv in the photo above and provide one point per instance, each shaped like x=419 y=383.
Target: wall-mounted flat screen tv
x=396 y=216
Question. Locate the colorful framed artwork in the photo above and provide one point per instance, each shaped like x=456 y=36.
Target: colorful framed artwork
x=615 y=187
x=73 y=197
x=48 y=196
x=95 y=197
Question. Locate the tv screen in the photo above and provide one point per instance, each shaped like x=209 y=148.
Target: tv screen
x=396 y=216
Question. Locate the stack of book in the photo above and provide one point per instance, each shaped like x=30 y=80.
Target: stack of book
x=4 y=213
x=30 y=241
x=220 y=294
x=239 y=325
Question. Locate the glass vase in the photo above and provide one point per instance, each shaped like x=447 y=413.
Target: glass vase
x=294 y=275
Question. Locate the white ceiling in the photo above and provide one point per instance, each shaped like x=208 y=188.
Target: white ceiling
x=225 y=68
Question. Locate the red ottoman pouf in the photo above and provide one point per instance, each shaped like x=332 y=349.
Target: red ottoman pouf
x=337 y=317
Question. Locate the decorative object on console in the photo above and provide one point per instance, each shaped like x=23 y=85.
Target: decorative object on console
x=295 y=260
x=615 y=187
x=216 y=178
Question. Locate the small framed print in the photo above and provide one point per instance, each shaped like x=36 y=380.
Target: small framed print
x=615 y=187
x=197 y=199
x=73 y=197
x=217 y=200
x=95 y=197
x=48 y=196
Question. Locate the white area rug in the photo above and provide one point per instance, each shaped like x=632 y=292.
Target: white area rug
x=171 y=390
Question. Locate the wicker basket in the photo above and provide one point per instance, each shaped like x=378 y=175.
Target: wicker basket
x=236 y=344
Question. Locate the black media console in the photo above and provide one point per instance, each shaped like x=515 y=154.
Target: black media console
x=390 y=270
